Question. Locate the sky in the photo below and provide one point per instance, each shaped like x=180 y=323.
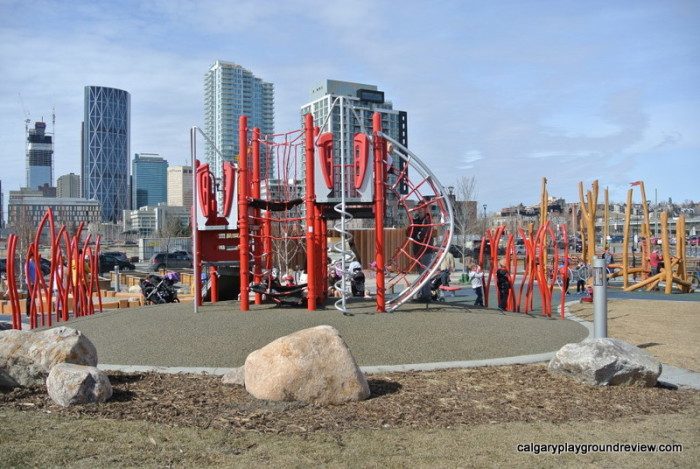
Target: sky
x=506 y=91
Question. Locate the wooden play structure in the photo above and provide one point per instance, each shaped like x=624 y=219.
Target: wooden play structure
x=635 y=277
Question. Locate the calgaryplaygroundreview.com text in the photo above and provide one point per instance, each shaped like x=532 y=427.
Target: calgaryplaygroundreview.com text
x=584 y=448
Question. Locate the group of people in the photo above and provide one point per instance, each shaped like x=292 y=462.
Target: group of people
x=503 y=285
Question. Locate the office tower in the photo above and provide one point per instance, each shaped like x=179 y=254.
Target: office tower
x=39 y=157
x=2 y=204
x=361 y=102
x=105 y=149
x=149 y=173
x=68 y=185
x=180 y=186
x=229 y=92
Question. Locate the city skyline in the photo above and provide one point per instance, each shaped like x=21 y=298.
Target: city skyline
x=567 y=91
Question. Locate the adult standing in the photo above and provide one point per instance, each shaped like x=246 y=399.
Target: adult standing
x=30 y=278
x=476 y=277
x=503 y=286
x=581 y=274
x=447 y=266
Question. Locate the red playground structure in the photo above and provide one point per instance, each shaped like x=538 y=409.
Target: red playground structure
x=288 y=193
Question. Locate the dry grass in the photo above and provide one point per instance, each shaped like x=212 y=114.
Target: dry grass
x=669 y=330
x=40 y=439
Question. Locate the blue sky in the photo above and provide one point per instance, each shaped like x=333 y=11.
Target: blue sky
x=508 y=91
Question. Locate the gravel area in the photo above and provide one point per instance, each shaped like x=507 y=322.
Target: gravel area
x=222 y=336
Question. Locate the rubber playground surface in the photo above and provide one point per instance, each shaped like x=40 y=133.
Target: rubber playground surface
x=222 y=336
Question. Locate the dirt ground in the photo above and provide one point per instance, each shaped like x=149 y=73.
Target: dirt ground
x=669 y=330
x=443 y=418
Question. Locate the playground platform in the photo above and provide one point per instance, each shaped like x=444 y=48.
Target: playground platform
x=222 y=336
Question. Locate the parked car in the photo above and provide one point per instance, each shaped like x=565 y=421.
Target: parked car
x=694 y=240
x=118 y=254
x=108 y=263
x=617 y=239
x=172 y=260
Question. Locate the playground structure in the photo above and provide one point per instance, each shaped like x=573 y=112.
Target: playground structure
x=72 y=284
x=537 y=265
x=549 y=240
x=288 y=188
x=675 y=266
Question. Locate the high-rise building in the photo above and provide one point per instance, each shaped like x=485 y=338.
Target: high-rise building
x=68 y=185
x=105 y=149
x=39 y=156
x=149 y=173
x=229 y=92
x=180 y=186
x=361 y=102
x=2 y=205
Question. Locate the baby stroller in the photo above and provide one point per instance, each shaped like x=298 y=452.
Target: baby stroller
x=159 y=290
x=357 y=279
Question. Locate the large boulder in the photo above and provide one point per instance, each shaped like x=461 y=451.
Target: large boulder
x=26 y=357
x=70 y=384
x=312 y=365
x=606 y=362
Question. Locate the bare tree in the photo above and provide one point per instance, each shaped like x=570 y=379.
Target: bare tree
x=465 y=212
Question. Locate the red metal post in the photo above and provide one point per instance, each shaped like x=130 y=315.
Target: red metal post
x=244 y=246
x=321 y=257
x=379 y=208
x=257 y=246
x=197 y=261
x=310 y=202
x=324 y=251
x=214 y=284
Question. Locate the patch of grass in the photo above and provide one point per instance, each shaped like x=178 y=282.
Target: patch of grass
x=41 y=439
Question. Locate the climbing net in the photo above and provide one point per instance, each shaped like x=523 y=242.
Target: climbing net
x=422 y=205
x=277 y=215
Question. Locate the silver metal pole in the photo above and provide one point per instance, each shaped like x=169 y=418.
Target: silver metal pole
x=600 y=299
x=117 y=283
x=195 y=254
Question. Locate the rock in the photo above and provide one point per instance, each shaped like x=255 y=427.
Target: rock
x=236 y=377
x=70 y=384
x=606 y=362
x=27 y=357
x=312 y=365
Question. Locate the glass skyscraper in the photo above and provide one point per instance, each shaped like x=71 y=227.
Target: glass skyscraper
x=229 y=92
x=105 y=149
x=149 y=180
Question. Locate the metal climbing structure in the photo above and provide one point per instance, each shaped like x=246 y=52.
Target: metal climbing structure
x=285 y=190
x=70 y=287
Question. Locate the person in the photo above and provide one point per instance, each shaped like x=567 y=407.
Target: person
x=581 y=274
x=447 y=266
x=503 y=286
x=655 y=261
x=607 y=255
x=30 y=279
x=476 y=277
x=4 y=288
x=564 y=272
x=60 y=283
